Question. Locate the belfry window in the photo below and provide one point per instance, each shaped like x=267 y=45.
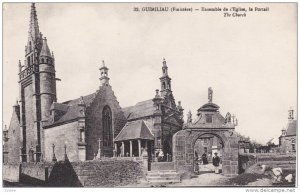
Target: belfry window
x=164 y=85
x=107 y=127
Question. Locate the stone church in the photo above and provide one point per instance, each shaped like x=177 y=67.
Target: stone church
x=43 y=129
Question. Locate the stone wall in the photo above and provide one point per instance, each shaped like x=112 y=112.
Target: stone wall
x=59 y=136
x=94 y=130
x=162 y=166
x=35 y=173
x=245 y=161
x=108 y=173
x=11 y=172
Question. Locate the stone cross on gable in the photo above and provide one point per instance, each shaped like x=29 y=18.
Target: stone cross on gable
x=210 y=94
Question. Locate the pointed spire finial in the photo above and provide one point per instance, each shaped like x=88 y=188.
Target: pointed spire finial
x=103 y=63
x=34 y=27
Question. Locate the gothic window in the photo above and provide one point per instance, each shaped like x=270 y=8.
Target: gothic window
x=107 y=127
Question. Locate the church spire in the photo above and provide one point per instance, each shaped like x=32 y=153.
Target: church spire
x=34 y=35
x=34 y=26
x=104 y=79
x=165 y=80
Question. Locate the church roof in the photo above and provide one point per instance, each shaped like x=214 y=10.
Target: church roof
x=139 y=129
x=59 y=107
x=292 y=128
x=73 y=109
x=141 y=109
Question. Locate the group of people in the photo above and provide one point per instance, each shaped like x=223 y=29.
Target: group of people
x=215 y=161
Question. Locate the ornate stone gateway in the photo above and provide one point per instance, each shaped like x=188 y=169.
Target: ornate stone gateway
x=209 y=133
x=184 y=143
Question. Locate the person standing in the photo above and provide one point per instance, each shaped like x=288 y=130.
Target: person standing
x=204 y=159
x=216 y=162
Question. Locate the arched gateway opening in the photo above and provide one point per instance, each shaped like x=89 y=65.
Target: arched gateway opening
x=204 y=148
x=185 y=144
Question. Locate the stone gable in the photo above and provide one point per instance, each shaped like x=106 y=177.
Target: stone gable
x=94 y=128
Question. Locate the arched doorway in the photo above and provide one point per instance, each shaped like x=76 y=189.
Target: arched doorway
x=184 y=142
x=204 y=148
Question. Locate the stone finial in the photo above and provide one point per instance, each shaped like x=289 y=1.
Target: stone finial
x=81 y=101
x=157 y=93
x=210 y=95
x=228 y=118
x=189 y=117
x=103 y=63
x=20 y=66
x=179 y=107
x=164 y=62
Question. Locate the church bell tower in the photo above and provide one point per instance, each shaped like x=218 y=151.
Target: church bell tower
x=37 y=91
x=165 y=80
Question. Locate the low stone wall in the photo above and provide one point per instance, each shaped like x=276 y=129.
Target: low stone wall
x=162 y=166
x=11 y=172
x=35 y=173
x=109 y=173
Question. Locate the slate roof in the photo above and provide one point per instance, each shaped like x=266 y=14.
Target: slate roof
x=141 y=109
x=139 y=129
x=292 y=128
x=73 y=109
x=59 y=107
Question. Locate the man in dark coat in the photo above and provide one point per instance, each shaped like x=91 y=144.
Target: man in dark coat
x=216 y=162
x=204 y=159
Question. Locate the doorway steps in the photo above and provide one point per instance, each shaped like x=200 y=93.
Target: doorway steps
x=163 y=177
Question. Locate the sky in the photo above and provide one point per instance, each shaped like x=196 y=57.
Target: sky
x=250 y=62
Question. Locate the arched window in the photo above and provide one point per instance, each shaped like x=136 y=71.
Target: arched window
x=164 y=85
x=107 y=127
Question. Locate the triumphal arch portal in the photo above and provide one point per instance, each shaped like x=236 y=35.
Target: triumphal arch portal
x=209 y=134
